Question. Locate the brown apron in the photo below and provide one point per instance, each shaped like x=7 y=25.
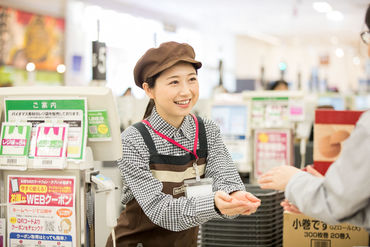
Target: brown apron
x=134 y=228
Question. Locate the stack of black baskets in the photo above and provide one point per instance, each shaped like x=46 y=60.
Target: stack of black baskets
x=261 y=229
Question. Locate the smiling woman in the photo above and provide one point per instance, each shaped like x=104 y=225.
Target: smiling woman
x=175 y=93
x=158 y=61
x=177 y=173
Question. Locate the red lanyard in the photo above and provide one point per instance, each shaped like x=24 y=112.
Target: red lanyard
x=176 y=143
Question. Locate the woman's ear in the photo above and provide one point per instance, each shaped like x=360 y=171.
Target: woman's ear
x=148 y=90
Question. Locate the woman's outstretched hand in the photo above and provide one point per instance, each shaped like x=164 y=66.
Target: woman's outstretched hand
x=238 y=202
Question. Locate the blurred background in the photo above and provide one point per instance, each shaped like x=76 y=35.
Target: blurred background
x=313 y=45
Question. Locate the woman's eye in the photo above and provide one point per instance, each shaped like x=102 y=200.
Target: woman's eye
x=193 y=79
x=174 y=82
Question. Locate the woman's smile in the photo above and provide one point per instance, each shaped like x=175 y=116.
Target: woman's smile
x=183 y=103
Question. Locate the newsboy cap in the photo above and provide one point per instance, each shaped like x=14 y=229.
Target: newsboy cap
x=156 y=60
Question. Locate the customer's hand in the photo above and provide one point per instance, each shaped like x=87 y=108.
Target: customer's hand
x=231 y=206
x=290 y=207
x=313 y=171
x=247 y=197
x=277 y=178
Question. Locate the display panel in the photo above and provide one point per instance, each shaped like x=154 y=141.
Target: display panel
x=335 y=101
x=98 y=98
x=362 y=102
x=232 y=120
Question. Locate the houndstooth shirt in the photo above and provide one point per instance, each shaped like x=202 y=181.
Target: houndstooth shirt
x=138 y=182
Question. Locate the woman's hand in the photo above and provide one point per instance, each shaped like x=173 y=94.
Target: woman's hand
x=277 y=178
x=230 y=205
x=247 y=197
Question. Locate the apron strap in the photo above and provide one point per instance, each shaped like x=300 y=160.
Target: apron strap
x=202 y=136
x=140 y=126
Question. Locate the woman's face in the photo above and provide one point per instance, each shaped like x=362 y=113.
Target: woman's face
x=175 y=92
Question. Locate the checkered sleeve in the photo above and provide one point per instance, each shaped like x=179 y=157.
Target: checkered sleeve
x=220 y=166
x=162 y=209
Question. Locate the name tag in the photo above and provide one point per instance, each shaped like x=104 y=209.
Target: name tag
x=194 y=188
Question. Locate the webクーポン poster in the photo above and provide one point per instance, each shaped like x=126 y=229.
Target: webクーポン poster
x=41 y=211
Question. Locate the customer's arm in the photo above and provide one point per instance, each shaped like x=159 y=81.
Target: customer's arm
x=344 y=193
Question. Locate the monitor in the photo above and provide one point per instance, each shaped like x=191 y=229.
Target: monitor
x=362 y=102
x=245 y=85
x=232 y=119
x=337 y=102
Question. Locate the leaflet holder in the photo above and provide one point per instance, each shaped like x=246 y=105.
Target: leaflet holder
x=98 y=98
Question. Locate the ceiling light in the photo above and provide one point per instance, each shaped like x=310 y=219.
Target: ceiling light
x=30 y=67
x=322 y=7
x=282 y=66
x=61 y=68
x=339 y=52
x=334 y=15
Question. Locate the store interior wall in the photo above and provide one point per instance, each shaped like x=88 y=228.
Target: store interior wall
x=300 y=58
x=242 y=55
x=133 y=37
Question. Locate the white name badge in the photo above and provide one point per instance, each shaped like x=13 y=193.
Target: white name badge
x=194 y=188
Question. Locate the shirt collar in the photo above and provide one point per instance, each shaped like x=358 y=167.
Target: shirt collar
x=187 y=127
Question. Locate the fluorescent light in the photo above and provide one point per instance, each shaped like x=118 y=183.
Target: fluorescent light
x=322 y=7
x=61 y=68
x=334 y=15
x=30 y=67
x=339 y=52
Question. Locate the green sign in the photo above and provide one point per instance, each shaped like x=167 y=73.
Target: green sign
x=269 y=98
x=71 y=111
x=98 y=129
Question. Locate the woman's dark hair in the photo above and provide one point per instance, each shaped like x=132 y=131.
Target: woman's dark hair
x=151 y=84
x=277 y=83
x=149 y=107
